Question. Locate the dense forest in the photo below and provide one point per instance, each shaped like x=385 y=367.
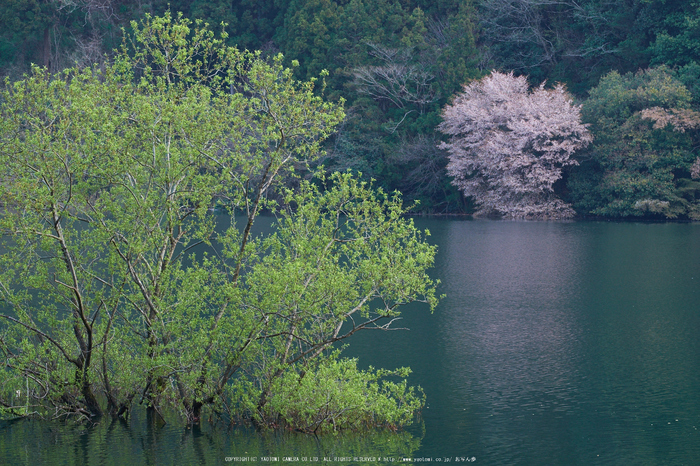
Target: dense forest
x=632 y=65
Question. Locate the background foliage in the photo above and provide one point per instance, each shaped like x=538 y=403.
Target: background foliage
x=398 y=62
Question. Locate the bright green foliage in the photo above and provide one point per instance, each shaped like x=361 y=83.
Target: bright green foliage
x=336 y=395
x=637 y=167
x=343 y=260
x=111 y=178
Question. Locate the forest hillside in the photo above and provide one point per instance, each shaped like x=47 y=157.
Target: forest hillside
x=631 y=65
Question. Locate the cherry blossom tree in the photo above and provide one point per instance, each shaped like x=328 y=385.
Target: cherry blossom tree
x=508 y=145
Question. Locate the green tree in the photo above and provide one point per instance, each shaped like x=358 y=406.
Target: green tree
x=110 y=180
x=26 y=31
x=574 y=42
x=57 y=33
x=676 y=42
x=639 y=163
x=397 y=63
x=251 y=24
x=343 y=260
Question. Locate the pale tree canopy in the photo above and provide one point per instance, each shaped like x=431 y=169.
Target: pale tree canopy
x=508 y=145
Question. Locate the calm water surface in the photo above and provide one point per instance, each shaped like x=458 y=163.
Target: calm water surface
x=557 y=343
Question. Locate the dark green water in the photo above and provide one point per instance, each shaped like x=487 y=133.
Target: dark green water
x=557 y=343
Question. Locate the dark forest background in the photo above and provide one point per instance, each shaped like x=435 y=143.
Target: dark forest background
x=397 y=63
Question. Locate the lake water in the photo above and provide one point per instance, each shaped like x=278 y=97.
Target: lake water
x=557 y=343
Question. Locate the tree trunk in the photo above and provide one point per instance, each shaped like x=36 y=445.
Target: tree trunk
x=46 y=48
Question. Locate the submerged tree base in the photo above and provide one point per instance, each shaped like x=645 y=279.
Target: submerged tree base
x=139 y=441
